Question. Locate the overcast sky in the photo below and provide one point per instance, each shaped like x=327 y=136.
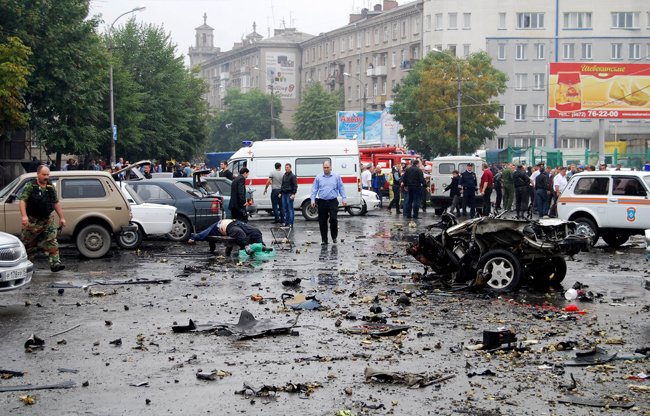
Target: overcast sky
x=231 y=19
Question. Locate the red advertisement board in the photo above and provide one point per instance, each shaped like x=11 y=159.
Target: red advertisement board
x=599 y=90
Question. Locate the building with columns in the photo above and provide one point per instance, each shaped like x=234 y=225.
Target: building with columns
x=203 y=48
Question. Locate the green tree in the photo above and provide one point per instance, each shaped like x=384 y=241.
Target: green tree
x=315 y=117
x=425 y=103
x=246 y=117
x=68 y=79
x=13 y=73
x=159 y=106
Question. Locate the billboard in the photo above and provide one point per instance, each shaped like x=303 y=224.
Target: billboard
x=599 y=90
x=281 y=69
x=380 y=126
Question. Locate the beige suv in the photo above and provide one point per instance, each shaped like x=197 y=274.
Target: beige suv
x=92 y=204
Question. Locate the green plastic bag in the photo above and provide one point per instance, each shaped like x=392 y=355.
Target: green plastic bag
x=259 y=254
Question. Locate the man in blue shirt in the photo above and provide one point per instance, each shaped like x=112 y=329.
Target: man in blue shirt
x=328 y=186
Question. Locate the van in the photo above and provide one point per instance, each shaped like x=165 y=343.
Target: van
x=441 y=174
x=610 y=204
x=306 y=158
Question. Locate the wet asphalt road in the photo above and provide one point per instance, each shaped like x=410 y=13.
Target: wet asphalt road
x=368 y=261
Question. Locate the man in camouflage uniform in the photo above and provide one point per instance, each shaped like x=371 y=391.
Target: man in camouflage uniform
x=508 y=187
x=37 y=202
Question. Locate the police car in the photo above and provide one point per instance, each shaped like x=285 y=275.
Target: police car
x=610 y=204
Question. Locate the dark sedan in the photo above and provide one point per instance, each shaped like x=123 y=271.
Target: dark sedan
x=194 y=211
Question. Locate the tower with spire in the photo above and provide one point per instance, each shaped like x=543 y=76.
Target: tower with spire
x=203 y=49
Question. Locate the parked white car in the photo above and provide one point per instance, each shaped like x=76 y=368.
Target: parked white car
x=370 y=203
x=15 y=270
x=151 y=219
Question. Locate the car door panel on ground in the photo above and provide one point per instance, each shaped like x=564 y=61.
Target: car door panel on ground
x=628 y=195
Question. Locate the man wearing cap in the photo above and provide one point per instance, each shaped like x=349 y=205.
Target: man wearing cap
x=468 y=189
x=487 y=184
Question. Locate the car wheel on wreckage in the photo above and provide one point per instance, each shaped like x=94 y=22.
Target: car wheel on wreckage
x=502 y=271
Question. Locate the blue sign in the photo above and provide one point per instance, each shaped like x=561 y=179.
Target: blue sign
x=379 y=127
x=114 y=132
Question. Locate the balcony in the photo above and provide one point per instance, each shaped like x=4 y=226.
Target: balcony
x=381 y=99
x=408 y=65
x=340 y=78
x=371 y=100
x=224 y=75
x=379 y=71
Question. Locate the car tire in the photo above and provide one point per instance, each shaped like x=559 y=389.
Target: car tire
x=614 y=240
x=181 y=229
x=504 y=269
x=357 y=210
x=93 y=241
x=586 y=225
x=310 y=214
x=549 y=273
x=130 y=240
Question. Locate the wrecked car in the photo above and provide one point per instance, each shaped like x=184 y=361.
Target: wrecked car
x=499 y=253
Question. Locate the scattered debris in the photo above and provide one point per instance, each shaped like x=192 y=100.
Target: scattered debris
x=34 y=341
x=299 y=301
x=595 y=402
x=247 y=327
x=136 y=281
x=27 y=387
x=596 y=355
x=411 y=380
x=65 y=330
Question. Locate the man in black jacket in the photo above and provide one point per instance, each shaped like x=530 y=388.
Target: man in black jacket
x=522 y=182
x=238 y=202
x=224 y=172
x=454 y=193
x=288 y=194
x=413 y=183
x=541 y=185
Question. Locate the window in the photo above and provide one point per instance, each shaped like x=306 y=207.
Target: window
x=319 y=75
x=616 y=50
x=520 y=112
x=520 y=81
x=502 y=20
x=349 y=93
x=385 y=33
x=342 y=45
x=625 y=20
x=538 y=81
x=374 y=89
x=359 y=40
x=376 y=36
x=569 y=51
x=333 y=47
x=367 y=38
x=465 y=51
x=428 y=27
x=416 y=52
x=580 y=20
x=502 y=112
x=152 y=192
x=358 y=93
x=383 y=88
x=438 y=47
x=592 y=186
x=629 y=186
x=635 y=50
x=82 y=188
x=586 y=51
x=521 y=51
x=540 y=51
x=467 y=20
x=310 y=167
x=394 y=31
x=438 y=21
x=502 y=52
x=530 y=20
x=538 y=112
x=403 y=28
x=446 y=168
x=453 y=21
x=393 y=63
x=327 y=49
x=320 y=51
x=428 y=49
x=358 y=66
x=351 y=42
x=452 y=48
x=501 y=142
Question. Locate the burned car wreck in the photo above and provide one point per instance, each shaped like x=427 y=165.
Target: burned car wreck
x=498 y=253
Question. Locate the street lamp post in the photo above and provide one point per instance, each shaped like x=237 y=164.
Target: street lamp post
x=110 y=48
x=272 y=113
x=458 y=99
x=365 y=99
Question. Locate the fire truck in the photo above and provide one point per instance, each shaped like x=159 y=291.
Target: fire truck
x=386 y=157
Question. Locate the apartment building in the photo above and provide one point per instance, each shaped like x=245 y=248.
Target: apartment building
x=523 y=37
x=377 y=48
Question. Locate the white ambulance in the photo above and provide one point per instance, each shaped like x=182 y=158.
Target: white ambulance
x=441 y=175
x=306 y=158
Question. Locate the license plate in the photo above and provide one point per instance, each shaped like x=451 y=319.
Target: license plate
x=15 y=274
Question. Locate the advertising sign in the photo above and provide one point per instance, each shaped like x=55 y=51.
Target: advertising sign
x=380 y=126
x=281 y=69
x=599 y=90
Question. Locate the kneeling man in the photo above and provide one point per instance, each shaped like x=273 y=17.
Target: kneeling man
x=244 y=233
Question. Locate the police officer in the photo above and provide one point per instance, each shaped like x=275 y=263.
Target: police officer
x=469 y=185
x=37 y=202
x=521 y=182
